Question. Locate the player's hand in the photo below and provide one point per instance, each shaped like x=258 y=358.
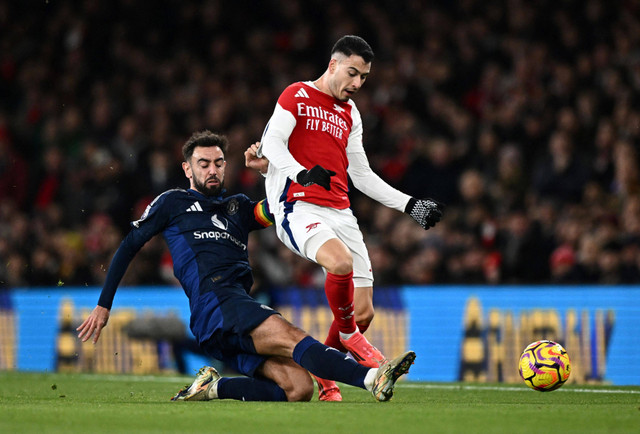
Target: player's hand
x=94 y=324
x=252 y=161
x=317 y=175
x=427 y=212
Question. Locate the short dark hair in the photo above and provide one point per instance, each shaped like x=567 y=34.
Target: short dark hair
x=206 y=139
x=350 y=45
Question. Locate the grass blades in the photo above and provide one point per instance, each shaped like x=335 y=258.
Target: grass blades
x=69 y=403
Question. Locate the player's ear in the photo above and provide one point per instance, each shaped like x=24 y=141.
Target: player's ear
x=333 y=65
x=187 y=169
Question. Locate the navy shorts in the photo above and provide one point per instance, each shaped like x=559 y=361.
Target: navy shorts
x=231 y=342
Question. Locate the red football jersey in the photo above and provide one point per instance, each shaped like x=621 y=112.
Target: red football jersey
x=320 y=136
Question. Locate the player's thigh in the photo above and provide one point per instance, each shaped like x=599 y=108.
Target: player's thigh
x=303 y=223
x=333 y=255
x=348 y=231
x=291 y=377
x=276 y=337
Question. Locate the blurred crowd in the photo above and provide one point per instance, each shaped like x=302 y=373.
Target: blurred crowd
x=523 y=117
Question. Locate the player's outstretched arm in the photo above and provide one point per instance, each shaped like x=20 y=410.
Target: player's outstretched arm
x=427 y=212
x=252 y=161
x=94 y=324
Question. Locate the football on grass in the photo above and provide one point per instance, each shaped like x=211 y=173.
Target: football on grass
x=545 y=365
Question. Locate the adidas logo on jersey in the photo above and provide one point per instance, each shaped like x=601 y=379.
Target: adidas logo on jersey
x=195 y=207
x=301 y=93
x=337 y=108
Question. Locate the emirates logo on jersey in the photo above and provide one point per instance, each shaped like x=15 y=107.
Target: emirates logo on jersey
x=322 y=120
x=305 y=110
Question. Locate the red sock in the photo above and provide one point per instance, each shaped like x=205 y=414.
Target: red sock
x=339 y=291
x=333 y=338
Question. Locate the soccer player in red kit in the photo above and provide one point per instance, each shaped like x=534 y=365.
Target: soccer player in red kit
x=313 y=142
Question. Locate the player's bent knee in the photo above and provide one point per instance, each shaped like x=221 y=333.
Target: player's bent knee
x=298 y=386
x=335 y=257
x=301 y=393
x=340 y=266
x=291 y=377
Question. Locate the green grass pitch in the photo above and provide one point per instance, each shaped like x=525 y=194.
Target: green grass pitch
x=70 y=403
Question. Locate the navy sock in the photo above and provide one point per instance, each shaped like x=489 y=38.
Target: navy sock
x=328 y=363
x=250 y=389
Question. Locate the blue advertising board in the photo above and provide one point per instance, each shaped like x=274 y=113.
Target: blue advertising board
x=459 y=333
x=437 y=316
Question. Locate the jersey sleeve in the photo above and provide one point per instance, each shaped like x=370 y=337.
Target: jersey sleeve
x=152 y=222
x=275 y=139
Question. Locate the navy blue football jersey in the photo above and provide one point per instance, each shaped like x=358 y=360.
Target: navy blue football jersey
x=207 y=238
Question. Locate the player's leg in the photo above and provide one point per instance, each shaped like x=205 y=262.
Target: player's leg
x=250 y=332
x=229 y=341
x=346 y=227
x=363 y=304
x=275 y=379
x=278 y=337
x=327 y=362
x=336 y=259
x=350 y=234
x=307 y=230
x=310 y=231
x=364 y=313
x=237 y=353
x=292 y=378
x=328 y=390
x=209 y=384
x=268 y=378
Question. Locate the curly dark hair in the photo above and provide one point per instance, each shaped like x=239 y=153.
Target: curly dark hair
x=205 y=139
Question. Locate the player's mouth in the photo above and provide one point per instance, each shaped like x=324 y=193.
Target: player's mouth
x=213 y=181
x=350 y=92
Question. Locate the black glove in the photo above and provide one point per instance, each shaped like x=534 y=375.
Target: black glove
x=427 y=212
x=317 y=175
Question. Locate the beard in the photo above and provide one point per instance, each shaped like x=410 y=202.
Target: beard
x=208 y=191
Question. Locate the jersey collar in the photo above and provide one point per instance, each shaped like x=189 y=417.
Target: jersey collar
x=214 y=198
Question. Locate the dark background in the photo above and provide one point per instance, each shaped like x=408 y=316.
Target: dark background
x=522 y=116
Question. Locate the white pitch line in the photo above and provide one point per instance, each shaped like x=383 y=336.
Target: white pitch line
x=508 y=389
x=178 y=379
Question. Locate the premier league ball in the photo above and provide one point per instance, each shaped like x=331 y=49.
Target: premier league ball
x=545 y=365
